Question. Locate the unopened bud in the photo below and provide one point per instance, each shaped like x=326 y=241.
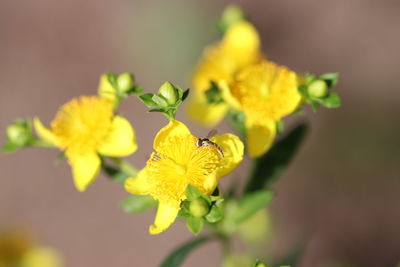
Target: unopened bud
x=125 y=82
x=317 y=89
x=230 y=16
x=199 y=207
x=18 y=134
x=169 y=92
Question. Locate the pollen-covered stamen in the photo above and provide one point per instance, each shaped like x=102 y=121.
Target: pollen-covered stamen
x=177 y=163
x=83 y=123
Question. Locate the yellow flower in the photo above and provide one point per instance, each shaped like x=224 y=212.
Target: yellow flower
x=239 y=48
x=17 y=248
x=265 y=92
x=178 y=162
x=41 y=257
x=84 y=128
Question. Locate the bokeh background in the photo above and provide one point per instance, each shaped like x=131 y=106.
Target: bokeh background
x=339 y=199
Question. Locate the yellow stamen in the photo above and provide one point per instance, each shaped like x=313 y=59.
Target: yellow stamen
x=83 y=123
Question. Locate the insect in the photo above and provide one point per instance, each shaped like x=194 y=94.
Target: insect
x=206 y=142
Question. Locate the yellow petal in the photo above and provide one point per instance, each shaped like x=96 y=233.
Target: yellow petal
x=121 y=141
x=138 y=185
x=174 y=127
x=84 y=169
x=260 y=138
x=242 y=43
x=210 y=183
x=106 y=90
x=207 y=115
x=41 y=256
x=45 y=133
x=227 y=95
x=166 y=214
x=233 y=149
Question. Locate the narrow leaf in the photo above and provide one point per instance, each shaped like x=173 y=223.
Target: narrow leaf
x=194 y=224
x=192 y=192
x=185 y=94
x=176 y=258
x=136 y=203
x=147 y=100
x=115 y=174
x=268 y=167
x=331 y=101
x=250 y=204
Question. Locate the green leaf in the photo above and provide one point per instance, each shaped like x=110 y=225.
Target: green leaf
x=268 y=167
x=215 y=214
x=136 y=90
x=236 y=120
x=9 y=148
x=160 y=101
x=250 y=203
x=156 y=110
x=136 y=203
x=185 y=94
x=115 y=174
x=331 y=78
x=176 y=258
x=112 y=79
x=213 y=94
x=195 y=224
x=304 y=93
x=147 y=100
x=192 y=192
x=331 y=101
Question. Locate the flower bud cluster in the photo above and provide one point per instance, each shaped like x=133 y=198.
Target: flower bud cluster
x=166 y=101
x=316 y=90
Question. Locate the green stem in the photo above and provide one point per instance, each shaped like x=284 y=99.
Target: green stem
x=125 y=166
x=41 y=143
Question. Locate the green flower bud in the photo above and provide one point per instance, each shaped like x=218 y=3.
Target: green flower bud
x=199 y=207
x=169 y=92
x=231 y=15
x=125 y=82
x=18 y=134
x=317 y=89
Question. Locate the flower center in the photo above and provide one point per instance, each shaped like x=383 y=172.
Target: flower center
x=265 y=91
x=179 y=162
x=82 y=123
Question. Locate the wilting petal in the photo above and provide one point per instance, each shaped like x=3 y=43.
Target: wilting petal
x=174 y=127
x=233 y=149
x=166 y=215
x=260 y=138
x=138 y=185
x=45 y=133
x=84 y=169
x=206 y=114
x=121 y=141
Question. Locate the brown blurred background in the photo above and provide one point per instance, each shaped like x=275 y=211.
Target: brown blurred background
x=341 y=195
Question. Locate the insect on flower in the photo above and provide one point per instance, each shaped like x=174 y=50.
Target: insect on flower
x=206 y=142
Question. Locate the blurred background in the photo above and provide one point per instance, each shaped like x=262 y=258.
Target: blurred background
x=340 y=197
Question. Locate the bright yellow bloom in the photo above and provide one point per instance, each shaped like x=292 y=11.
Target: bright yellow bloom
x=178 y=162
x=265 y=92
x=84 y=128
x=239 y=48
x=17 y=249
